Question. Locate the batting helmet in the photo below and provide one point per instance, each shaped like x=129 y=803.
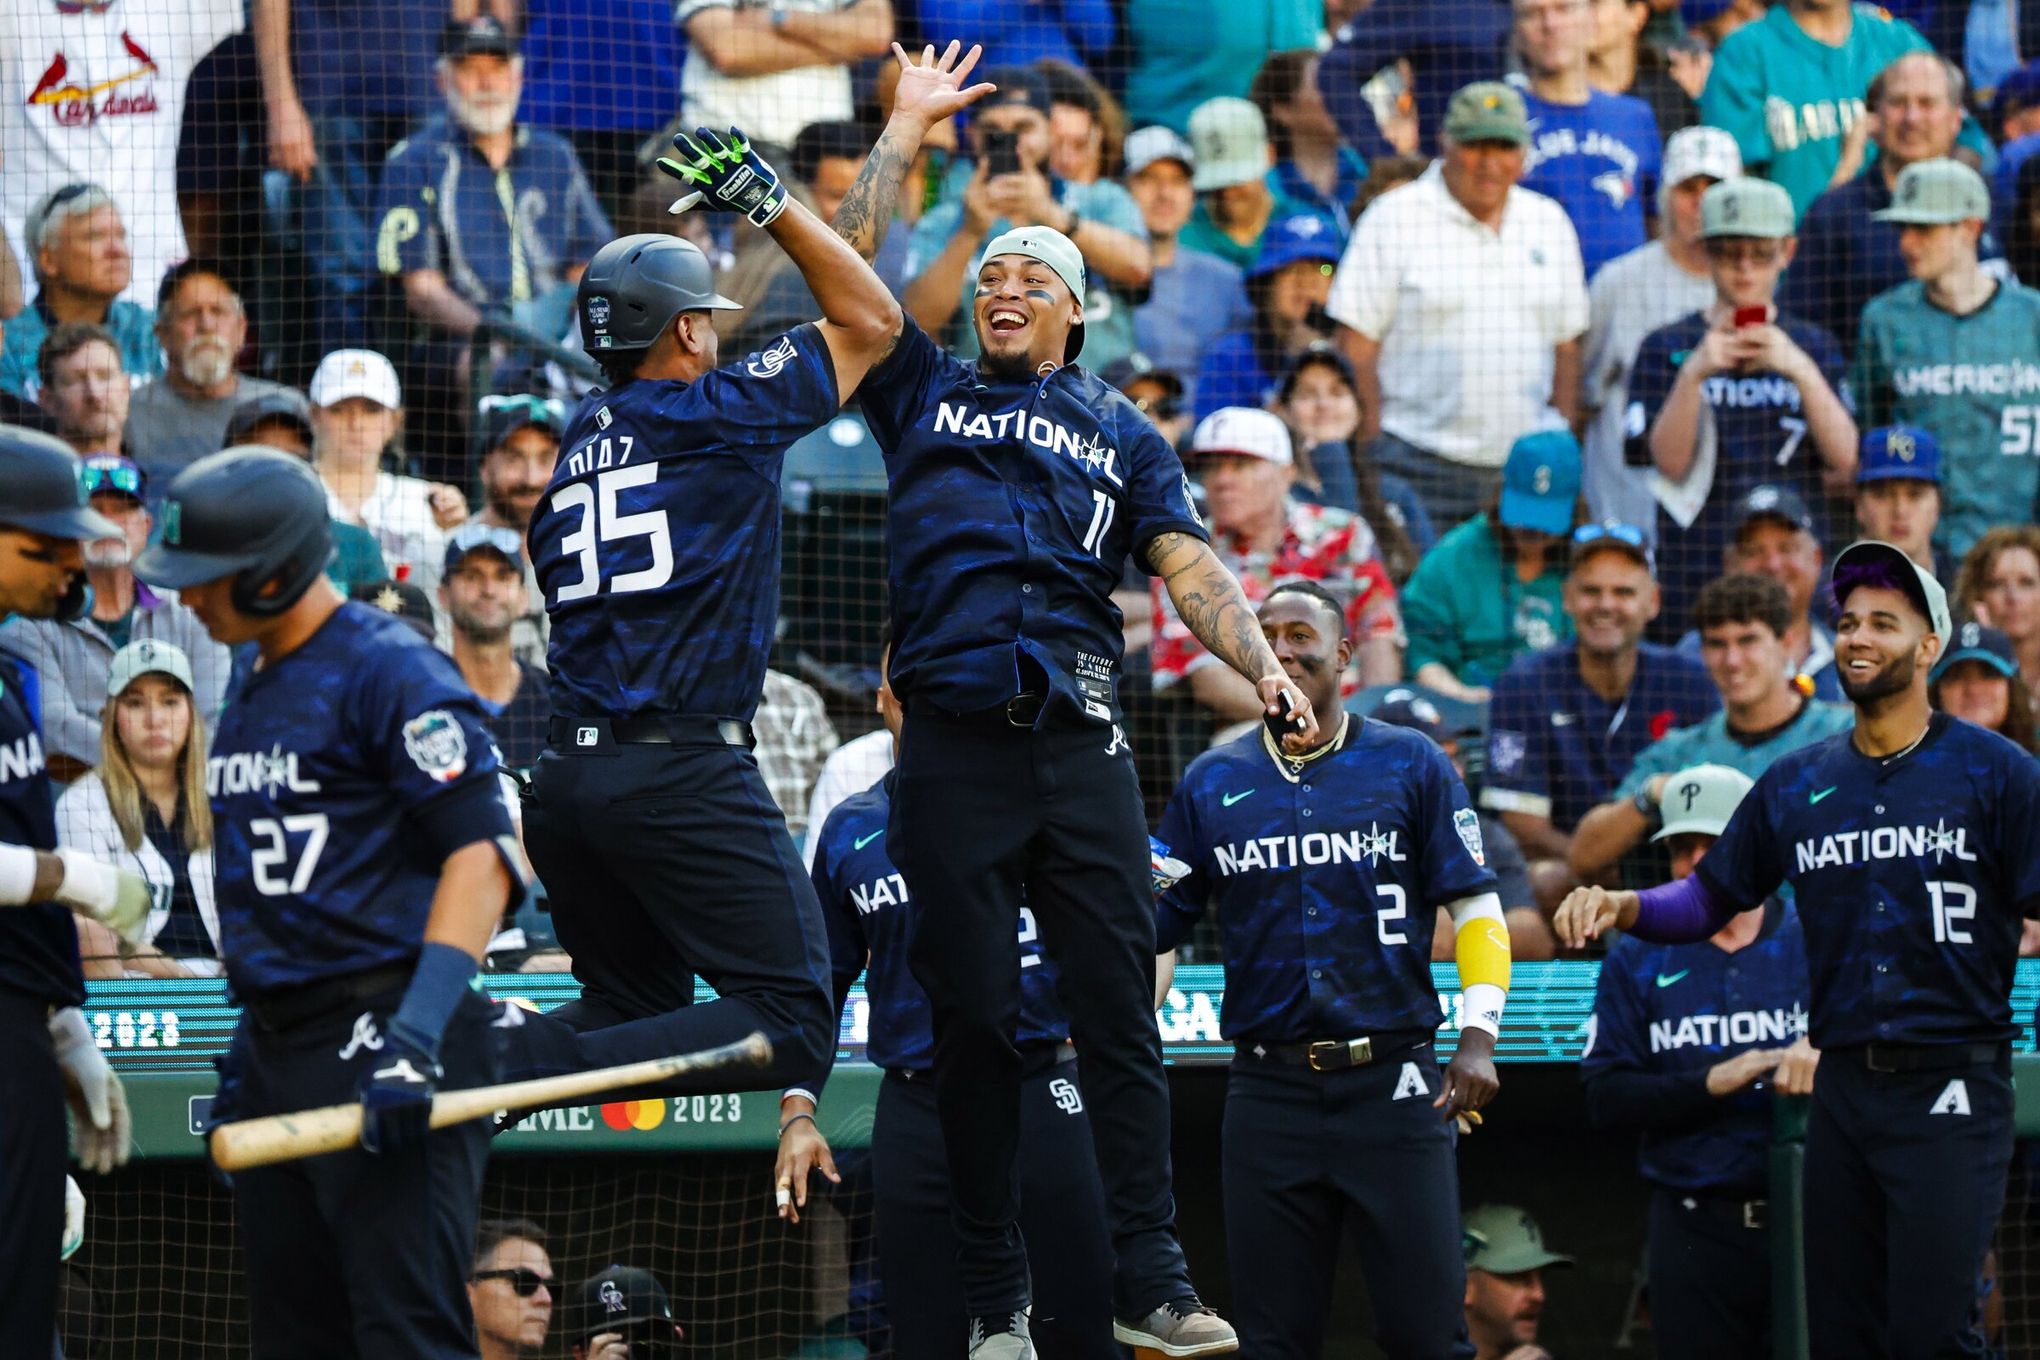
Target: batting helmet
x=42 y=491
x=636 y=285
x=252 y=513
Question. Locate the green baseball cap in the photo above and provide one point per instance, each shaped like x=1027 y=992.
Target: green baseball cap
x=1746 y=207
x=1053 y=249
x=1503 y=1239
x=1699 y=800
x=1487 y=111
x=1935 y=193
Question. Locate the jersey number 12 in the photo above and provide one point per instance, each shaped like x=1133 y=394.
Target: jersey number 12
x=601 y=522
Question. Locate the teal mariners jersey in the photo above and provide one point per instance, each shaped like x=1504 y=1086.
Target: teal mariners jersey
x=1710 y=742
x=1974 y=381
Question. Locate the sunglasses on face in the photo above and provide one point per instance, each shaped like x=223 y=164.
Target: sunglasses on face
x=523 y=1279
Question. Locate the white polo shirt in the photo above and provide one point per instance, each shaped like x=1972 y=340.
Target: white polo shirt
x=769 y=108
x=1467 y=317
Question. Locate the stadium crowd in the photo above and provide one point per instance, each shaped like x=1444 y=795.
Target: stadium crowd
x=1564 y=342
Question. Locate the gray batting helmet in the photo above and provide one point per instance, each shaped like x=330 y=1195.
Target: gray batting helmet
x=252 y=513
x=41 y=491
x=636 y=285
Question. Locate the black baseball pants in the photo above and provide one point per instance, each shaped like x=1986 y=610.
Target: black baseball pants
x=1710 y=1281
x=34 y=1149
x=984 y=812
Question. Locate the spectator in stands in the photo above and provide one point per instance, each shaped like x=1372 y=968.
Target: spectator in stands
x=773 y=68
x=1313 y=168
x=1494 y=587
x=1848 y=249
x=519 y=438
x=1999 y=585
x=1287 y=284
x=1443 y=44
x=181 y=416
x=282 y=420
x=145 y=805
x=1011 y=185
x=1567 y=722
x=1182 y=57
x=1732 y=397
x=1389 y=172
x=623 y=1312
x=1021 y=32
x=1505 y=1263
x=1462 y=302
x=1790 y=86
x=1236 y=204
x=1597 y=154
x=84 y=392
x=1086 y=126
x=1620 y=61
x=826 y=159
x=794 y=740
x=1774 y=536
x=1265 y=535
x=1957 y=352
x=73 y=658
x=857 y=764
x=404 y=601
x=357 y=410
x=1320 y=401
x=1742 y=618
x=1652 y=286
x=19 y=410
x=1193 y=296
x=483 y=595
x=479 y=214
x=2015 y=115
x=511 y=1289
x=1978 y=680
x=2022 y=226
x=1157 y=391
x=1898 y=490
x=79 y=249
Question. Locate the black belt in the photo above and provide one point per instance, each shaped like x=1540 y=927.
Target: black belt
x=650 y=729
x=1335 y=1055
x=288 y=1010
x=1035 y=1059
x=1022 y=710
x=1923 y=1057
x=1746 y=1213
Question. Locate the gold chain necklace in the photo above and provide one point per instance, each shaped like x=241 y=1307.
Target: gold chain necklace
x=1291 y=767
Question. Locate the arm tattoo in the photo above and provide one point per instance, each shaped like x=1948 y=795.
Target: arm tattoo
x=868 y=208
x=1211 y=603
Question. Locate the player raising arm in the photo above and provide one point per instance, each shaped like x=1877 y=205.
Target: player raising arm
x=1908 y=844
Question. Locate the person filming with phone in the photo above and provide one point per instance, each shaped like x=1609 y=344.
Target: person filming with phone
x=1737 y=396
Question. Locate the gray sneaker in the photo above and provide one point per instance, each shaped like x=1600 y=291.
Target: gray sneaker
x=1179 y=1327
x=1000 y=1336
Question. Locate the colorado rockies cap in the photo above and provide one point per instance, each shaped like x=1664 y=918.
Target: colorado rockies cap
x=1541 y=482
x=1895 y=452
x=1157 y=143
x=1746 y=207
x=148 y=657
x=1245 y=430
x=1935 y=193
x=1699 y=800
x=1487 y=111
x=1870 y=562
x=1053 y=249
x=617 y=1296
x=1979 y=642
x=1503 y=1239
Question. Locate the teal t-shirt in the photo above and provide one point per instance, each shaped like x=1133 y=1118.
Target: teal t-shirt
x=1972 y=381
x=1709 y=743
x=132 y=325
x=1188 y=51
x=1467 y=610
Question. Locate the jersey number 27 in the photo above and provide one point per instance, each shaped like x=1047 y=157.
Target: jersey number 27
x=601 y=522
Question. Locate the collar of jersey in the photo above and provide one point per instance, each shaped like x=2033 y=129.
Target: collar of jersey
x=1291 y=767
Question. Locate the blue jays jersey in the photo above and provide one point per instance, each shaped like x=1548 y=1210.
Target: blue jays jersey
x=1325 y=878
x=870 y=916
x=1556 y=748
x=1911 y=877
x=657 y=542
x=1663 y=1015
x=1600 y=160
x=340 y=780
x=38 y=944
x=1014 y=507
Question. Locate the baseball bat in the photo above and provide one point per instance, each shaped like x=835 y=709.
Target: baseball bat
x=276 y=1138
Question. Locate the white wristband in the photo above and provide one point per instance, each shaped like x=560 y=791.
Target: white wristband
x=17 y=875
x=1480 y=1007
x=88 y=884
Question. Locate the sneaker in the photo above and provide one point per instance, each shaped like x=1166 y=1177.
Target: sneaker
x=1179 y=1327
x=1001 y=1336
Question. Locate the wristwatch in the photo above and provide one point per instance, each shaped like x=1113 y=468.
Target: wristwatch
x=1647 y=806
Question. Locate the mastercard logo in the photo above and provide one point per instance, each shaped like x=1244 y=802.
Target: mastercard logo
x=624 y=1115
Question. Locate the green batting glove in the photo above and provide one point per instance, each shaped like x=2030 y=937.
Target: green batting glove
x=727 y=174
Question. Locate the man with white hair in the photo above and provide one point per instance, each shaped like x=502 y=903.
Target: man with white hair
x=183 y=415
x=82 y=261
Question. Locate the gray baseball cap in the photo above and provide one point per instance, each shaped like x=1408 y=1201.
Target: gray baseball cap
x=1699 y=800
x=1936 y=193
x=1157 y=143
x=1230 y=139
x=1053 y=249
x=1746 y=207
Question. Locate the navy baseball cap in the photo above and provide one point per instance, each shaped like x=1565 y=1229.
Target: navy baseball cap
x=499 y=417
x=1781 y=503
x=401 y=598
x=1304 y=236
x=1541 y=482
x=286 y=406
x=2017 y=92
x=115 y=473
x=1406 y=708
x=1017 y=85
x=1979 y=642
x=1899 y=452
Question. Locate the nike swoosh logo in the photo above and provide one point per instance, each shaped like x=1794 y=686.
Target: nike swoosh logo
x=1679 y=357
x=1229 y=799
x=1813 y=798
x=1664 y=980
x=863 y=841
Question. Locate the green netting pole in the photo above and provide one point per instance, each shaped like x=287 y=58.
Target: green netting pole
x=1788 y=1231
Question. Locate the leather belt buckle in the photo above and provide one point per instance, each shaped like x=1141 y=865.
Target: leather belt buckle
x=1875 y=1062
x=1023 y=709
x=1332 y=1055
x=1756 y=1213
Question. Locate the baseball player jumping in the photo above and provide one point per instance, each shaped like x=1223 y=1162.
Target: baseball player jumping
x=1908 y=844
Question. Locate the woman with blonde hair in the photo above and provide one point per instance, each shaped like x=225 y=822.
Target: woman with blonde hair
x=146 y=808
x=1999 y=586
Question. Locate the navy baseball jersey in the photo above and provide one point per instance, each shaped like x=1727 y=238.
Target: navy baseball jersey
x=1663 y=1015
x=1600 y=160
x=1911 y=876
x=870 y=916
x=1014 y=508
x=1556 y=748
x=1325 y=880
x=657 y=543
x=342 y=778
x=38 y=944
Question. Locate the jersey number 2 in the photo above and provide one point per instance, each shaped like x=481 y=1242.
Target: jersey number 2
x=266 y=859
x=600 y=522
